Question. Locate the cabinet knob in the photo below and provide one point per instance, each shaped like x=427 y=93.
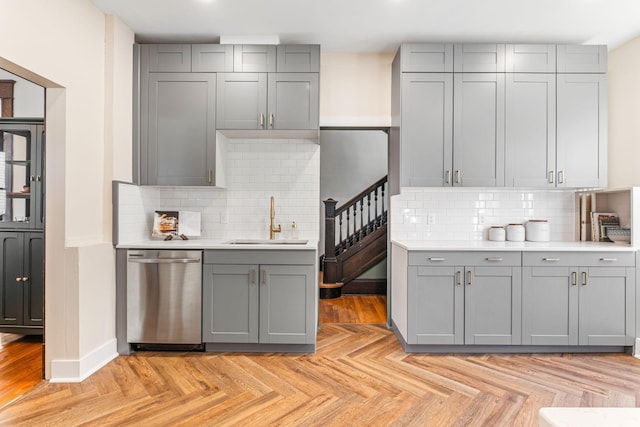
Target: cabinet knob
x=18 y=279
x=24 y=279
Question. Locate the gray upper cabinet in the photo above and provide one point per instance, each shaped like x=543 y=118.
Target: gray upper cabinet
x=250 y=58
x=212 y=58
x=530 y=130
x=427 y=57
x=479 y=58
x=168 y=57
x=298 y=58
x=242 y=101
x=478 y=130
x=581 y=130
x=582 y=58
x=531 y=58
x=426 y=129
x=178 y=133
x=293 y=101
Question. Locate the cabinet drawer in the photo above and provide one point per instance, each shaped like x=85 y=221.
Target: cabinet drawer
x=571 y=259
x=462 y=258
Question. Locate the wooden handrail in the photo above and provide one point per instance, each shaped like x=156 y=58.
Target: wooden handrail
x=360 y=195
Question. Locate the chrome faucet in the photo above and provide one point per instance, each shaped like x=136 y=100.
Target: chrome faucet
x=272 y=229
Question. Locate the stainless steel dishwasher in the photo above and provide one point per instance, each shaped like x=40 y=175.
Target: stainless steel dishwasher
x=164 y=297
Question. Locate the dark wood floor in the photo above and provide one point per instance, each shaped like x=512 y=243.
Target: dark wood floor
x=20 y=365
x=359 y=377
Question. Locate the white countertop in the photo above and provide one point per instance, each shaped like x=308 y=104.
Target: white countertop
x=589 y=417
x=486 y=245
x=213 y=244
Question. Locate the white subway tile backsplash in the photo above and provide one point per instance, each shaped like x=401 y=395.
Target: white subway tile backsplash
x=467 y=214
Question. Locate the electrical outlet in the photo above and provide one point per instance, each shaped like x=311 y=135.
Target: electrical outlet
x=431 y=219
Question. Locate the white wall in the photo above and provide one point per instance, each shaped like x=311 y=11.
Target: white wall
x=355 y=89
x=67 y=55
x=624 y=110
x=28 y=97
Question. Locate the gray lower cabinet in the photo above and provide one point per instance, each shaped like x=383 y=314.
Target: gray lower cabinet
x=178 y=129
x=259 y=303
x=456 y=304
x=569 y=302
x=21 y=290
x=268 y=101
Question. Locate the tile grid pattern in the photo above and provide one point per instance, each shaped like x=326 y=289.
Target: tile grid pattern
x=256 y=169
x=467 y=214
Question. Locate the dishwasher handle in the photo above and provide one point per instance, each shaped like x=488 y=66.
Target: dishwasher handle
x=164 y=260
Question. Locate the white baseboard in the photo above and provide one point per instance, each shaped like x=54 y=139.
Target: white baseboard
x=75 y=371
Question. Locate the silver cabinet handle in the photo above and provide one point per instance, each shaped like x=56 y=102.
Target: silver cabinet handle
x=252 y=276
x=164 y=260
x=584 y=278
x=271 y=119
x=561 y=177
x=494 y=259
x=210 y=176
x=574 y=278
x=38 y=178
x=459 y=281
x=551 y=259
x=551 y=175
x=447 y=179
x=436 y=259
x=608 y=259
x=470 y=277
x=261 y=120
x=263 y=279
x=458 y=176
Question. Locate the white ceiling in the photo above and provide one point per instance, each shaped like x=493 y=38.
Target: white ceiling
x=380 y=25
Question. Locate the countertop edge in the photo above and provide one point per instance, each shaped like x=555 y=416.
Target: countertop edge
x=211 y=245
x=485 y=245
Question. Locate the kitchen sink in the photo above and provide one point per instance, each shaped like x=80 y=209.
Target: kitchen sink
x=266 y=242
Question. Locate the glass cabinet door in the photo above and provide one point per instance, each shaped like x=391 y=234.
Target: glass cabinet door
x=18 y=176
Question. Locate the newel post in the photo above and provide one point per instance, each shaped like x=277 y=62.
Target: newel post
x=330 y=263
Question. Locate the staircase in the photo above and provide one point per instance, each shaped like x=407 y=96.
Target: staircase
x=355 y=238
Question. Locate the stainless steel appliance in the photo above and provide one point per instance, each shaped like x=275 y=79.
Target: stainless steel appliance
x=164 y=297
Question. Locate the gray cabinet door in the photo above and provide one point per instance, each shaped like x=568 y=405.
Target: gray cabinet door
x=298 y=58
x=180 y=138
x=287 y=310
x=11 y=272
x=549 y=306
x=478 y=132
x=242 y=101
x=530 y=130
x=606 y=306
x=211 y=58
x=253 y=58
x=436 y=305
x=33 y=268
x=426 y=129
x=426 y=57
x=581 y=130
x=230 y=303
x=168 y=57
x=582 y=58
x=531 y=58
x=479 y=58
x=293 y=101
x=492 y=301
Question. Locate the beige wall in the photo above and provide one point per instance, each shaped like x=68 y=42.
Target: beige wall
x=624 y=115
x=355 y=89
x=84 y=115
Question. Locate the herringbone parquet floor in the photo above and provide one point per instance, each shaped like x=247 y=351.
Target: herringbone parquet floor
x=359 y=377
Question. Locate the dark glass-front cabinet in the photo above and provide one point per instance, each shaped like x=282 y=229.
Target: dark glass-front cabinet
x=21 y=226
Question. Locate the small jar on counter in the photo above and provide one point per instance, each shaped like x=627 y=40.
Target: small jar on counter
x=515 y=232
x=538 y=230
x=497 y=233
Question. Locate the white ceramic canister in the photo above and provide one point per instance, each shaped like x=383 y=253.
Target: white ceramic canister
x=537 y=230
x=515 y=232
x=497 y=233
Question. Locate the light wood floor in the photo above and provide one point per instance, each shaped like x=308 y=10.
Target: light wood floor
x=20 y=365
x=359 y=377
x=353 y=309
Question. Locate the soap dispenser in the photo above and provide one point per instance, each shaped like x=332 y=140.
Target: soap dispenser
x=294 y=230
